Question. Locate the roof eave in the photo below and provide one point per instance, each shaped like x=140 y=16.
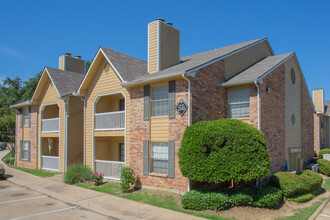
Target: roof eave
x=231 y=84
x=159 y=78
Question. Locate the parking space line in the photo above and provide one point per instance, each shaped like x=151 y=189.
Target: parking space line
x=10 y=189
x=19 y=200
x=324 y=215
x=44 y=213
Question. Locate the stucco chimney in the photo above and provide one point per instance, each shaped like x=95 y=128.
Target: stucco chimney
x=318 y=99
x=163 y=45
x=73 y=64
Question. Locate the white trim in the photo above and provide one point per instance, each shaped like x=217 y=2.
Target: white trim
x=189 y=72
x=109 y=113
x=148 y=47
x=110 y=161
x=109 y=129
x=46 y=132
x=49 y=119
x=158 y=45
x=44 y=213
x=53 y=157
x=51 y=169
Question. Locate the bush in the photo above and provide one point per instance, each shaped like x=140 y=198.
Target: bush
x=293 y=185
x=77 y=173
x=323 y=151
x=11 y=161
x=315 y=153
x=324 y=166
x=126 y=178
x=218 y=151
x=264 y=197
x=97 y=178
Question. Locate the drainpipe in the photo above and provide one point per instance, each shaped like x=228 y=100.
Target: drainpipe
x=189 y=101
x=84 y=134
x=66 y=133
x=258 y=97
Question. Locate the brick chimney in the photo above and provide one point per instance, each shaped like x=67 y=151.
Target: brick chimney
x=318 y=99
x=163 y=45
x=73 y=64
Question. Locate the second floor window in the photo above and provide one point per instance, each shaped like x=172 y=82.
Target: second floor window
x=159 y=100
x=239 y=103
x=26 y=117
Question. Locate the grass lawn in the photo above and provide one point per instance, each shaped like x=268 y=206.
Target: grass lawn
x=41 y=173
x=304 y=213
x=326 y=184
x=7 y=156
x=157 y=198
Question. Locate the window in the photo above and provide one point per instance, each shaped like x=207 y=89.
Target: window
x=122 y=152
x=122 y=105
x=26 y=150
x=159 y=157
x=26 y=117
x=159 y=100
x=322 y=122
x=239 y=103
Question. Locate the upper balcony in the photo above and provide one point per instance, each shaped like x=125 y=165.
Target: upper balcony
x=110 y=113
x=50 y=122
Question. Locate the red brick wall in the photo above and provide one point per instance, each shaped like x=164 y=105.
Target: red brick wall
x=316 y=133
x=307 y=124
x=139 y=131
x=272 y=116
x=209 y=99
x=33 y=137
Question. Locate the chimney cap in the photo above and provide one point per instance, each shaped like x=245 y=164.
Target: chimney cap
x=169 y=23
x=160 y=19
x=78 y=57
x=68 y=54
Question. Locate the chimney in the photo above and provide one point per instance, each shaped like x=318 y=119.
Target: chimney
x=163 y=45
x=73 y=64
x=318 y=99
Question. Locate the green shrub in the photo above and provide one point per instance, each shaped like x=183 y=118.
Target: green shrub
x=6 y=160
x=77 y=173
x=218 y=151
x=97 y=178
x=11 y=161
x=324 y=151
x=324 y=166
x=293 y=185
x=315 y=153
x=126 y=178
x=264 y=197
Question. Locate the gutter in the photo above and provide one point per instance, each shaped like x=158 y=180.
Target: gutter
x=84 y=134
x=66 y=134
x=258 y=95
x=189 y=103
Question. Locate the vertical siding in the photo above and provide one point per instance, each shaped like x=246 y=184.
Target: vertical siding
x=169 y=46
x=103 y=82
x=244 y=59
x=49 y=96
x=292 y=106
x=153 y=46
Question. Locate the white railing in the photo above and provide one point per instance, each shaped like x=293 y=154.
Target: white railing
x=50 y=125
x=110 y=121
x=109 y=169
x=50 y=163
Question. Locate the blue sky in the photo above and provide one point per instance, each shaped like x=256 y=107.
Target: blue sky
x=34 y=34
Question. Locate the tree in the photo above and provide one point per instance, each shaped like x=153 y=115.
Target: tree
x=30 y=86
x=222 y=150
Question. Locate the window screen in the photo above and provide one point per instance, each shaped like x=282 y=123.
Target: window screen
x=26 y=150
x=159 y=100
x=159 y=157
x=239 y=103
x=122 y=152
x=26 y=115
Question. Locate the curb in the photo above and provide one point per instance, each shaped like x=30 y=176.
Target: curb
x=319 y=210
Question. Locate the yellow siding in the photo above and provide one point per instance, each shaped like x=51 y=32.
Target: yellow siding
x=75 y=133
x=108 y=148
x=50 y=134
x=108 y=103
x=50 y=111
x=153 y=47
x=244 y=59
x=159 y=129
x=292 y=106
x=103 y=82
x=170 y=46
x=49 y=96
x=61 y=62
x=109 y=133
x=318 y=98
x=26 y=131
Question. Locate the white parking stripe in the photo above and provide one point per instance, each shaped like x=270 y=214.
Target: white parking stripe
x=3 y=190
x=324 y=215
x=44 y=213
x=19 y=200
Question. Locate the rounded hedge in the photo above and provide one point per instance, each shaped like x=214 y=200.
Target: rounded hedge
x=218 y=151
x=324 y=151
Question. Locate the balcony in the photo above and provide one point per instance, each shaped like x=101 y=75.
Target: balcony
x=50 y=125
x=50 y=163
x=110 y=169
x=110 y=121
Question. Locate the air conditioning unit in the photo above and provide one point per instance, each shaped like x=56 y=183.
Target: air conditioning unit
x=314 y=167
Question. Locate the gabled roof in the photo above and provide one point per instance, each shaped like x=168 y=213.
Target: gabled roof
x=196 y=61
x=258 y=70
x=66 y=82
x=21 y=104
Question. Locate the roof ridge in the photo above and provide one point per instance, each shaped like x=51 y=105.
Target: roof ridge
x=122 y=53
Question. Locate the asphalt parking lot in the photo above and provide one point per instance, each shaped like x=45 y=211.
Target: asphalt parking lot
x=20 y=203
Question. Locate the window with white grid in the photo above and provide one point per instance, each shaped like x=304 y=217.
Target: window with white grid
x=159 y=100
x=26 y=150
x=239 y=103
x=26 y=117
x=159 y=157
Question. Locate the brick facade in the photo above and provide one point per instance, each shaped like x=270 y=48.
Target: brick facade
x=32 y=137
x=317 y=146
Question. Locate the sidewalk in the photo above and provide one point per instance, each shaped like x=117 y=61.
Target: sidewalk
x=102 y=203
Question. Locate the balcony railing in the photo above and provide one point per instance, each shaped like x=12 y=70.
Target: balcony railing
x=50 y=125
x=110 y=121
x=109 y=169
x=50 y=163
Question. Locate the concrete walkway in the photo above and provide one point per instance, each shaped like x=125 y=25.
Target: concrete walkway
x=102 y=203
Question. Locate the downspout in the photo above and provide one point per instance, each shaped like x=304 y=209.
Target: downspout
x=84 y=134
x=258 y=98
x=189 y=121
x=66 y=133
